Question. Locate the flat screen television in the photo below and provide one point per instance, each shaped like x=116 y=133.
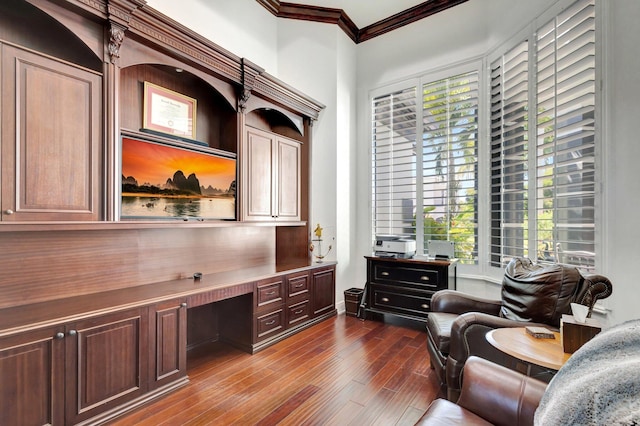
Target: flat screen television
x=176 y=181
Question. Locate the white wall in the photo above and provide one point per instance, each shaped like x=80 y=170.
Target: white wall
x=319 y=59
x=621 y=180
x=242 y=27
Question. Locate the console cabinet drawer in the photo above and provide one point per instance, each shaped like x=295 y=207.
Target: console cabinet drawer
x=408 y=301
x=402 y=275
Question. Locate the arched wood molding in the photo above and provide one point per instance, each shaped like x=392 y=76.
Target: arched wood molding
x=136 y=20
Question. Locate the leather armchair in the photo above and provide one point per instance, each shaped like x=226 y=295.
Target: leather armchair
x=491 y=395
x=531 y=295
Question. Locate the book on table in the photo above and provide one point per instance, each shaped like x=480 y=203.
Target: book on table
x=540 y=332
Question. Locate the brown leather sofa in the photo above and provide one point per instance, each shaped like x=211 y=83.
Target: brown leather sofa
x=491 y=395
x=532 y=294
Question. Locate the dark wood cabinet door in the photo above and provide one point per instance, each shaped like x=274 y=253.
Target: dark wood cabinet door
x=106 y=362
x=51 y=148
x=31 y=378
x=288 y=179
x=169 y=353
x=271 y=173
x=257 y=179
x=324 y=290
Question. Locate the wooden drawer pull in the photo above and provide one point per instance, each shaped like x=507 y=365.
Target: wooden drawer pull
x=385 y=299
x=298 y=312
x=270 y=322
x=384 y=274
x=270 y=293
x=298 y=285
x=424 y=278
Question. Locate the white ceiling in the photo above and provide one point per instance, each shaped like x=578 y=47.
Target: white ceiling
x=365 y=12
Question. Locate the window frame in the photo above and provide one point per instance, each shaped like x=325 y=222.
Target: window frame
x=471 y=66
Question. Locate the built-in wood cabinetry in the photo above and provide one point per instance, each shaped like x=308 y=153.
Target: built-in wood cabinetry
x=69 y=373
x=51 y=138
x=103 y=325
x=298 y=289
x=169 y=342
x=106 y=363
x=32 y=378
x=323 y=290
x=271 y=176
x=269 y=311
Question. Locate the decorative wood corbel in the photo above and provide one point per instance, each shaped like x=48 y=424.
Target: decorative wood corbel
x=119 y=12
x=116 y=37
x=249 y=73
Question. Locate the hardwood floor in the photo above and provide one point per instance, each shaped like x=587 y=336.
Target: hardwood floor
x=342 y=371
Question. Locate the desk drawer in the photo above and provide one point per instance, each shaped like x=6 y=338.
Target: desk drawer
x=298 y=312
x=269 y=324
x=400 y=300
x=269 y=293
x=298 y=285
x=406 y=275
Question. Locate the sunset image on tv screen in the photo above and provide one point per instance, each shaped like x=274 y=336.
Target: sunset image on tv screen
x=166 y=181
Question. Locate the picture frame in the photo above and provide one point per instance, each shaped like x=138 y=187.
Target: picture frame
x=168 y=112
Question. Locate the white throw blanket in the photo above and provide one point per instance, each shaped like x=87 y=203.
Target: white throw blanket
x=599 y=384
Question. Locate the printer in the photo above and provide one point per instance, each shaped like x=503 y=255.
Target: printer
x=394 y=246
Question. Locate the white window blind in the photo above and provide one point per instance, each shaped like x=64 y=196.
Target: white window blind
x=450 y=163
x=543 y=192
x=565 y=145
x=394 y=163
x=509 y=155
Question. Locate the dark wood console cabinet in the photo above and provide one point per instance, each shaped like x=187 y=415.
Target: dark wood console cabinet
x=403 y=287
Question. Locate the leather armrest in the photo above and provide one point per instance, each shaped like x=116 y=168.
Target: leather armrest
x=456 y=302
x=599 y=288
x=499 y=395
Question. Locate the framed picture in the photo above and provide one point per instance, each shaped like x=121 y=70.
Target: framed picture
x=168 y=112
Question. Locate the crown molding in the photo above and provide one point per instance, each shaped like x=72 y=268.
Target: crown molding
x=339 y=17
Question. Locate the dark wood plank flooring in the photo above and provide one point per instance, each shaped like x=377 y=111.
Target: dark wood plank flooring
x=343 y=371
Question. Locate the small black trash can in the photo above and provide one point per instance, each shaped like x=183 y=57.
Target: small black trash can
x=352 y=299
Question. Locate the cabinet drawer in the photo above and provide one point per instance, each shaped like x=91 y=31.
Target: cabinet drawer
x=269 y=293
x=298 y=312
x=406 y=275
x=401 y=300
x=298 y=285
x=269 y=324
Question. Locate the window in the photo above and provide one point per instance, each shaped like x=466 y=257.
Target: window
x=543 y=144
x=437 y=177
x=541 y=151
x=394 y=163
x=450 y=163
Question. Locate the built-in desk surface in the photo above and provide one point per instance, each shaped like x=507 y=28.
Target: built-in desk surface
x=210 y=288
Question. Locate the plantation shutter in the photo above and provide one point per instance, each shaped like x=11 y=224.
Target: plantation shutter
x=450 y=163
x=509 y=155
x=565 y=145
x=394 y=163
